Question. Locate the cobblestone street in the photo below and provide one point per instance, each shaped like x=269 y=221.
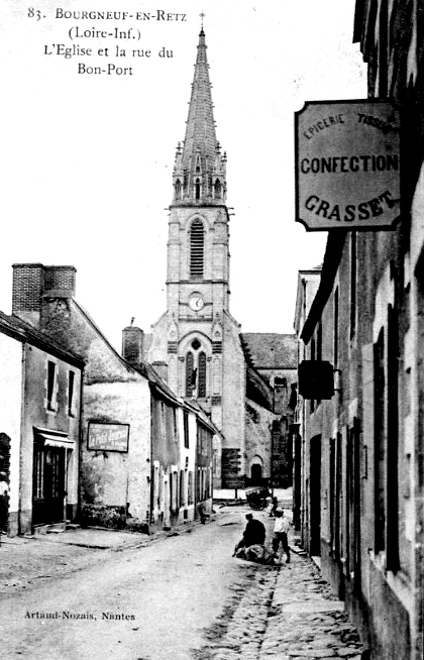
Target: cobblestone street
x=287 y=613
x=231 y=609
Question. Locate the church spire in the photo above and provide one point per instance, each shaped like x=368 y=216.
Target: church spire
x=199 y=172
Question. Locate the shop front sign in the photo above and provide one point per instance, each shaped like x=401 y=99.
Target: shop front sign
x=347 y=165
x=108 y=437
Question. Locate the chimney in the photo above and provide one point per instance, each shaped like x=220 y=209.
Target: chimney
x=28 y=282
x=36 y=290
x=59 y=281
x=132 y=344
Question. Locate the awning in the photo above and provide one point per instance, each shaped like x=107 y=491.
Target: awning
x=55 y=439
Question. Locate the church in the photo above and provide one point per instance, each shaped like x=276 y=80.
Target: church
x=245 y=383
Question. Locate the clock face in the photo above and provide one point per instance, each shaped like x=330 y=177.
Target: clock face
x=196 y=302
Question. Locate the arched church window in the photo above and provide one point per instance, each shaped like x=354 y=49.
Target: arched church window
x=189 y=373
x=197 y=189
x=178 y=189
x=202 y=374
x=218 y=188
x=197 y=241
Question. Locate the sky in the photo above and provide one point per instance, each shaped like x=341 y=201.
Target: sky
x=87 y=159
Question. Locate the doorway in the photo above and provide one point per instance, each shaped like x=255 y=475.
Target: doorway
x=315 y=497
x=49 y=485
x=256 y=474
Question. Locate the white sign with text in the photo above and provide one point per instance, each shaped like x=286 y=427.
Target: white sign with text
x=347 y=165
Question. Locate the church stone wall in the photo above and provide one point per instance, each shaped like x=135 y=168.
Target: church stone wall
x=233 y=390
x=258 y=439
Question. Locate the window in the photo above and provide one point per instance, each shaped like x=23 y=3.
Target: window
x=182 y=488
x=186 y=430
x=383 y=51
x=197 y=189
x=196 y=249
x=202 y=375
x=51 y=382
x=71 y=384
x=175 y=429
x=190 y=494
x=392 y=477
x=379 y=457
x=336 y=330
x=178 y=189
x=38 y=484
x=217 y=189
x=189 y=374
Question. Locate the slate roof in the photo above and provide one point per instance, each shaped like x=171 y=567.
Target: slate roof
x=25 y=332
x=144 y=368
x=270 y=350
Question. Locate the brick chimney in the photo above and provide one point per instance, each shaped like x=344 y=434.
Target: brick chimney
x=28 y=282
x=133 y=344
x=35 y=284
x=59 y=281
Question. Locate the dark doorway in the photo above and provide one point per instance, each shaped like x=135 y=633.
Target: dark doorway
x=256 y=475
x=315 y=496
x=49 y=484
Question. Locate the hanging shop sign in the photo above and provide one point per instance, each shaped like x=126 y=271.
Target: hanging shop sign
x=347 y=165
x=108 y=437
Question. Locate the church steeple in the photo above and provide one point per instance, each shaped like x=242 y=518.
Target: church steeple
x=200 y=168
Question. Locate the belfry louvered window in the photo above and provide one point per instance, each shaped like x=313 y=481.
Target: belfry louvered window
x=189 y=374
x=197 y=244
x=202 y=374
x=197 y=189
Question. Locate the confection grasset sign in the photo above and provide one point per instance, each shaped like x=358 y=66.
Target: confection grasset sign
x=347 y=165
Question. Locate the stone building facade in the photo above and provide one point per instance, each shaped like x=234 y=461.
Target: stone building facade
x=133 y=436
x=40 y=401
x=363 y=446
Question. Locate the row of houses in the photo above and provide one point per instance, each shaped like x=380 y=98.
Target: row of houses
x=358 y=433
x=87 y=434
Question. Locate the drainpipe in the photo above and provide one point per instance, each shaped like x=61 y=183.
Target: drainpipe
x=80 y=435
x=21 y=432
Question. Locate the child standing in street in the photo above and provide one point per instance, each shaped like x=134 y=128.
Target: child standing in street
x=281 y=529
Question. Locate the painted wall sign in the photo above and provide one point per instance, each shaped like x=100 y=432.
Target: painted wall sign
x=108 y=437
x=347 y=165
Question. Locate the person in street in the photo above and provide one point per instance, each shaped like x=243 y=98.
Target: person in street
x=281 y=530
x=201 y=509
x=4 y=502
x=274 y=507
x=254 y=534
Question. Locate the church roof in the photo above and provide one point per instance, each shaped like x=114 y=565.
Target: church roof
x=200 y=132
x=270 y=350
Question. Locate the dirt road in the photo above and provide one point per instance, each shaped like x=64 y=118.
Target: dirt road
x=149 y=603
